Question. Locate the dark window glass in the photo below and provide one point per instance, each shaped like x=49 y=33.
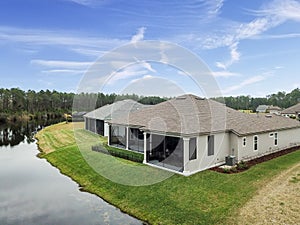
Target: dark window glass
x=193 y=148
x=211 y=145
x=255 y=140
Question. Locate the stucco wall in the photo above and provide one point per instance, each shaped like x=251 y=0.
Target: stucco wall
x=266 y=145
x=234 y=145
x=106 y=129
x=203 y=161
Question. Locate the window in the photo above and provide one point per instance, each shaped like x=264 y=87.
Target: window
x=244 y=141
x=210 y=144
x=193 y=148
x=275 y=139
x=255 y=143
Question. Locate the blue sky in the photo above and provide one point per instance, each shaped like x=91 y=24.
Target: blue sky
x=250 y=47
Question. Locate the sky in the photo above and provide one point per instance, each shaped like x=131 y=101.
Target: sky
x=248 y=47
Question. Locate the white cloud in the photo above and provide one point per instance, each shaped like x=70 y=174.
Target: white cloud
x=234 y=57
x=136 y=70
x=244 y=83
x=179 y=72
x=139 y=36
x=224 y=74
x=61 y=64
x=145 y=77
x=89 y=3
x=72 y=41
x=277 y=36
x=89 y=51
x=215 y=7
x=282 y=9
x=278 y=67
x=269 y=16
x=149 y=85
x=64 y=71
x=221 y=65
x=146 y=65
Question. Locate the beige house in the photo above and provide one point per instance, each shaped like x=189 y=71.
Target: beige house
x=96 y=121
x=188 y=134
x=293 y=111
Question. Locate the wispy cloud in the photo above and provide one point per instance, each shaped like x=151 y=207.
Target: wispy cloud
x=71 y=41
x=276 y=36
x=136 y=70
x=57 y=67
x=90 y=3
x=269 y=16
x=139 y=36
x=89 y=51
x=234 y=57
x=145 y=77
x=64 y=71
x=149 y=85
x=61 y=64
x=243 y=84
x=224 y=74
x=281 y=9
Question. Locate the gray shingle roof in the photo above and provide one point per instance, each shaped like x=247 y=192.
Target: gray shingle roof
x=292 y=110
x=262 y=108
x=189 y=114
x=115 y=109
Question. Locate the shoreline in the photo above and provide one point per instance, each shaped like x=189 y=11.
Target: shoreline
x=188 y=202
x=81 y=188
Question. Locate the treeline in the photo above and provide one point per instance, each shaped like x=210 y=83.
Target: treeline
x=53 y=103
x=88 y=101
x=15 y=100
x=16 y=103
x=281 y=99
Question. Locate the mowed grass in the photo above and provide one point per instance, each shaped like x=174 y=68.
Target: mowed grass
x=207 y=197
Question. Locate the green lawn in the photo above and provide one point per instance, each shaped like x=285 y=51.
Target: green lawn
x=204 y=198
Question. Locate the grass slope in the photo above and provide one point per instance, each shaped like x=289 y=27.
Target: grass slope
x=204 y=198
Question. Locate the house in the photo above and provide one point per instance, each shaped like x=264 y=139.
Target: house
x=293 y=111
x=96 y=120
x=274 y=110
x=78 y=116
x=188 y=134
x=268 y=109
x=262 y=108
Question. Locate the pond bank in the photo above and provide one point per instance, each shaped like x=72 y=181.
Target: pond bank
x=204 y=198
x=28 y=182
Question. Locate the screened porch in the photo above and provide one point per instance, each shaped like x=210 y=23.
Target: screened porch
x=165 y=151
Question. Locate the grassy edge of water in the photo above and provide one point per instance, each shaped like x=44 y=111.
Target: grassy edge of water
x=192 y=196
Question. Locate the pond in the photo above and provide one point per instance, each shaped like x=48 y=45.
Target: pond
x=34 y=192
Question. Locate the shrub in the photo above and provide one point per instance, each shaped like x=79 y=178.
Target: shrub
x=125 y=154
x=242 y=165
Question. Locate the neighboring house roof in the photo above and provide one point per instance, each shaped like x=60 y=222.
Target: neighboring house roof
x=274 y=108
x=115 y=109
x=189 y=114
x=78 y=114
x=292 y=110
x=266 y=108
x=262 y=108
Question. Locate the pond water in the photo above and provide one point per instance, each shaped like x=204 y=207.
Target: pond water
x=34 y=192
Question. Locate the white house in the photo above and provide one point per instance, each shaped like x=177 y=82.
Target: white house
x=96 y=120
x=268 y=109
x=188 y=134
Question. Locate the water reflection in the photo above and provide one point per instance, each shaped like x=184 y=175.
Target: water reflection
x=12 y=134
x=34 y=192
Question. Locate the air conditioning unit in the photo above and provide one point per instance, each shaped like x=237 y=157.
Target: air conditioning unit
x=230 y=160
